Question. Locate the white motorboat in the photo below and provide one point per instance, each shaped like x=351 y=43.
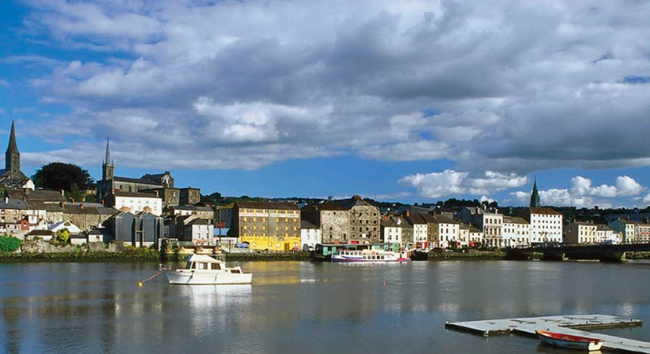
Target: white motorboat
x=370 y=256
x=202 y=269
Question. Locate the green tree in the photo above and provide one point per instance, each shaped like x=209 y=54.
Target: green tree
x=9 y=243
x=62 y=236
x=63 y=176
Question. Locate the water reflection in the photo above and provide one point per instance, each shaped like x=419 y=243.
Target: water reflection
x=303 y=306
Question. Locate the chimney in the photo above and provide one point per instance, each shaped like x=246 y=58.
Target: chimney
x=406 y=213
x=71 y=200
x=62 y=192
x=102 y=201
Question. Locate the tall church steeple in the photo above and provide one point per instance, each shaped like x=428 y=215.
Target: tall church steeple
x=12 y=156
x=534 y=196
x=107 y=167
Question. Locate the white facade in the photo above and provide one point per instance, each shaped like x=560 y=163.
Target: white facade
x=445 y=231
x=419 y=234
x=200 y=233
x=393 y=234
x=606 y=235
x=545 y=225
x=515 y=232
x=310 y=237
x=138 y=203
x=581 y=233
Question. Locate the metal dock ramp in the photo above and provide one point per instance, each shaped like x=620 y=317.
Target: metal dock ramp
x=574 y=325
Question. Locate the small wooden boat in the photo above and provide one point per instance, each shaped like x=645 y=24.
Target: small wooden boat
x=569 y=341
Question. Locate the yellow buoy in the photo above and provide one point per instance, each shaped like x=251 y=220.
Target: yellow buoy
x=140 y=284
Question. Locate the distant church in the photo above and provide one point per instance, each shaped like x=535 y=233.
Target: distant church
x=11 y=177
x=534 y=196
x=161 y=185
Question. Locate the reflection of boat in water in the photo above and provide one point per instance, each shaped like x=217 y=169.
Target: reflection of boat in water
x=370 y=256
x=202 y=269
x=569 y=341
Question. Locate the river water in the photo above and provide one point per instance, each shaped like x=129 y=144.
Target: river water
x=304 y=307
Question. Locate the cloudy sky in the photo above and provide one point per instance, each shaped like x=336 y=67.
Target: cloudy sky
x=413 y=101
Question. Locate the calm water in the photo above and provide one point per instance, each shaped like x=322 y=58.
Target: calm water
x=298 y=307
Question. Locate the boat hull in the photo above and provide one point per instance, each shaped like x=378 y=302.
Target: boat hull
x=569 y=341
x=183 y=276
x=353 y=259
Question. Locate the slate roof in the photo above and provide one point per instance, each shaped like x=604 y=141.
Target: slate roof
x=198 y=222
x=307 y=225
x=16 y=204
x=441 y=219
x=266 y=205
x=137 y=180
x=192 y=208
x=119 y=193
x=547 y=211
x=514 y=220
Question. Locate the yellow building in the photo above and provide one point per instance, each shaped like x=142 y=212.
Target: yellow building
x=267 y=226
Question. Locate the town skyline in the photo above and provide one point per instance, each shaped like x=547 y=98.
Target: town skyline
x=412 y=102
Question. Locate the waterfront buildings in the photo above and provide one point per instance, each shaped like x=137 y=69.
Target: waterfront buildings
x=266 y=226
x=581 y=233
x=310 y=235
x=516 y=232
x=545 y=225
x=625 y=228
x=489 y=221
x=444 y=232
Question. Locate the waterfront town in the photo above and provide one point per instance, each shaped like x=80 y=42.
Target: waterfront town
x=143 y=211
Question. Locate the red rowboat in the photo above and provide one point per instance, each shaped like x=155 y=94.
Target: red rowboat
x=569 y=341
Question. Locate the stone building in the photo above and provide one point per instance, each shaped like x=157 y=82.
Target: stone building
x=351 y=220
x=12 y=177
x=332 y=219
x=160 y=184
x=87 y=215
x=266 y=226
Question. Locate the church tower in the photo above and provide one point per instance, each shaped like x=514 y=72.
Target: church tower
x=534 y=196
x=107 y=167
x=12 y=157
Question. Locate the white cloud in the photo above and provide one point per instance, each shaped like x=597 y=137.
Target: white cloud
x=625 y=187
x=583 y=195
x=4 y=83
x=513 y=87
x=453 y=183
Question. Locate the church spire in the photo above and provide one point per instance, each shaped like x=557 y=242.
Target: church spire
x=107 y=167
x=12 y=156
x=534 y=196
x=107 y=159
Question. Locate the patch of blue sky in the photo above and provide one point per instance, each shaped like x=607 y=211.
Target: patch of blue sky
x=633 y=79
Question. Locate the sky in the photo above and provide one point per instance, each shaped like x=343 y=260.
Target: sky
x=403 y=101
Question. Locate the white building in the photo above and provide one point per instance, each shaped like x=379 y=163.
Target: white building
x=310 y=235
x=581 y=233
x=625 y=228
x=545 y=225
x=419 y=222
x=199 y=231
x=605 y=234
x=490 y=222
x=392 y=230
x=444 y=231
x=135 y=202
x=515 y=232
